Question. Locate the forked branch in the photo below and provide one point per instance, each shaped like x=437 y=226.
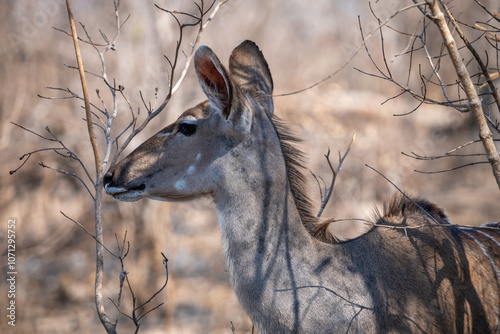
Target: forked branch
x=466 y=98
x=326 y=192
x=102 y=117
x=103 y=316
x=450 y=154
x=201 y=22
x=349 y=60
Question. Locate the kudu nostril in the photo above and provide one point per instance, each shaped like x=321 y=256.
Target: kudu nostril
x=107 y=178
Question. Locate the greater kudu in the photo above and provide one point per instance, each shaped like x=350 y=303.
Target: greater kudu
x=289 y=274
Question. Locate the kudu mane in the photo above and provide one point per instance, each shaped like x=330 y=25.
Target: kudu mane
x=417 y=209
x=294 y=162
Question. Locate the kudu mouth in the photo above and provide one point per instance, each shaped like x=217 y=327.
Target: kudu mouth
x=130 y=193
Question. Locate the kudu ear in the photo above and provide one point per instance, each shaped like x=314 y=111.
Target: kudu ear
x=250 y=71
x=213 y=79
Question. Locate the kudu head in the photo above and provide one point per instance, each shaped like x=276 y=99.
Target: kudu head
x=198 y=152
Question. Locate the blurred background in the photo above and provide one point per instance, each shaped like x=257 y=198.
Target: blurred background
x=303 y=42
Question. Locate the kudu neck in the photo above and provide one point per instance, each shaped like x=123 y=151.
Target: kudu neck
x=257 y=209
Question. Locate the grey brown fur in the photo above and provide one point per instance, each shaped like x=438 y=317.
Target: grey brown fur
x=290 y=275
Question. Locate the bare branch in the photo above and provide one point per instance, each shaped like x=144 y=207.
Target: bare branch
x=437 y=17
x=69 y=174
x=33 y=132
x=29 y=154
x=69 y=34
x=196 y=42
x=431 y=10
x=435 y=157
x=451 y=169
x=165 y=263
x=493 y=15
x=450 y=153
x=173 y=87
x=123 y=273
x=89 y=233
x=70 y=153
x=422 y=96
x=90 y=126
x=103 y=120
x=328 y=191
x=137 y=311
x=354 y=54
x=395 y=227
x=476 y=56
x=402 y=193
x=108 y=325
x=73 y=95
x=331 y=221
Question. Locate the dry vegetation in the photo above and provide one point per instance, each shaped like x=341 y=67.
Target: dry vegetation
x=302 y=43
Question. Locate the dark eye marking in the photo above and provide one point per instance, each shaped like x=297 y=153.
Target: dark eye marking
x=187 y=129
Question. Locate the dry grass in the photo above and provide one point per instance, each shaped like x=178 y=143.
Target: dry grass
x=302 y=43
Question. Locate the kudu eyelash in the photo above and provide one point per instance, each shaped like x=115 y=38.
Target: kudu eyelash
x=187 y=127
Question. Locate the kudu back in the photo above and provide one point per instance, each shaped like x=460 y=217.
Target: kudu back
x=289 y=274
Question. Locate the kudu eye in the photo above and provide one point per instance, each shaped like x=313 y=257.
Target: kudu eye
x=187 y=129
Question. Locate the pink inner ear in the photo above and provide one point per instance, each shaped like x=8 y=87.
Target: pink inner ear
x=212 y=77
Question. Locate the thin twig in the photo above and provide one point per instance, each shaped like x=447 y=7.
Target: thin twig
x=376 y=224
x=447 y=154
x=436 y=157
x=330 y=221
x=360 y=47
x=436 y=225
x=29 y=154
x=165 y=263
x=69 y=34
x=70 y=153
x=403 y=193
x=33 y=132
x=89 y=233
x=69 y=174
x=451 y=169
x=73 y=95
x=123 y=272
x=335 y=172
